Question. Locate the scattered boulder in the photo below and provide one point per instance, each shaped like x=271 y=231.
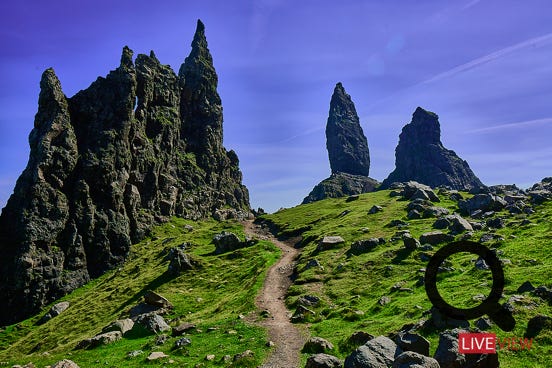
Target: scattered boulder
x=317 y=345
x=455 y=223
x=135 y=353
x=359 y=338
x=447 y=354
x=410 y=242
x=329 y=242
x=121 y=325
x=364 y=246
x=226 y=242
x=182 y=342
x=246 y=355
x=180 y=262
x=495 y=223
x=156 y=355
x=434 y=211
x=183 y=328
x=543 y=292
x=537 y=324
x=301 y=313
x=153 y=323
x=375 y=209
x=525 y=287
x=379 y=352
x=143 y=308
x=55 y=311
x=482 y=202
x=101 y=339
x=161 y=339
x=384 y=300
x=65 y=363
x=411 y=359
x=435 y=237
x=409 y=341
x=308 y=300
x=352 y=198
x=323 y=361
x=440 y=321
x=157 y=300
x=313 y=263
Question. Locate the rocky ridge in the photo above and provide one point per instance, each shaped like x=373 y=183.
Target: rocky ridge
x=420 y=156
x=133 y=149
x=347 y=151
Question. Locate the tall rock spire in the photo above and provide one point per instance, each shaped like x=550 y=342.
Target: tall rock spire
x=347 y=150
x=200 y=104
x=347 y=146
x=420 y=156
x=132 y=150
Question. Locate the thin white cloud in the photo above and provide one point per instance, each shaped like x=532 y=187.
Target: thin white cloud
x=470 y=4
x=519 y=124
x=532 y=42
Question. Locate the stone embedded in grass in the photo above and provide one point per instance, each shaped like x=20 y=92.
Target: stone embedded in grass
x=156 y=355
x=153 y=323
x=411 y=359
x=375 y=209
x=317 y=345
x=329 y=242
x=537 y=324
x=157 y=300
x=308 y=300
x=246 y=355
x=121 y=325
x=323 y=361
x=210 y=357
x=227 y=242
x=183 y=328
x=101 y=339
x=447 y=354
x=359 y=338
x=135 y=353
x=378 y=352
x=364 y=245
x=409 y=341
x=525 y=287
x=301 y=313
x=384 y=300
x=410 y=242
x=180 y=262
x=65 y=363
x=182 y=342
x=55 y=311
x=435 y=237
x=483 y=323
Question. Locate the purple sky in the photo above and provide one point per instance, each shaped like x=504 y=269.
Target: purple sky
x=484 y=66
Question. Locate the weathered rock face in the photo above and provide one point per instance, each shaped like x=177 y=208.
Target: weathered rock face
x=348 y=152
x=133 y=149
x=347 y=146
x=341 y=185
x=420 y=156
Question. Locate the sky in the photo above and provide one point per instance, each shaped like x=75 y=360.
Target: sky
x=484 y=66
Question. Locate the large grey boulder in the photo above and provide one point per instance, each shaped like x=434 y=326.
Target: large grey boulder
x=379 y=352
x=317 y=345
x=121 y=325
x=226 y=242
x=65 y=363
x=483 y=202
x=448 y=356
x=411 y=359
x=323 y=361
x=409 y=341
x=153 y=323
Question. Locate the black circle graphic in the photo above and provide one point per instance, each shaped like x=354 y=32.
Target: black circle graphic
x=490 y=305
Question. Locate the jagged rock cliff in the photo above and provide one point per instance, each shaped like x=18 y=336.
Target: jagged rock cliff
x=133 y=149
x=420 y=156
x=347 y=150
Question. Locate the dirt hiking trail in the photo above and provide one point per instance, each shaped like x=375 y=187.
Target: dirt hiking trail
x=287 y=338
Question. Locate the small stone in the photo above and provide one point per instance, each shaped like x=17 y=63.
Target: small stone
x=210 y=357
x=156 y=355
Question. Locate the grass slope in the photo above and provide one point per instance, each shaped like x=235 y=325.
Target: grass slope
x=212 y=297
x=350 y=286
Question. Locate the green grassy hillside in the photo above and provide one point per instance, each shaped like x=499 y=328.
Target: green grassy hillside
x=350 y=285
x=212 y=297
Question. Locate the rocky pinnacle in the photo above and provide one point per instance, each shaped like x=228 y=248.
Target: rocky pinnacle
x=347 y=146
x=420 y=156
x=135 y=148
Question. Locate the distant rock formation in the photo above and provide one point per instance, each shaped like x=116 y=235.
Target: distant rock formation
x=420 y=156
x=133 y=149
x=347 y=146
x=347 y=150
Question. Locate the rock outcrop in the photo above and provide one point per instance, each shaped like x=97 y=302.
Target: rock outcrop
x=420 y=156
x=347 y=150
x=133 y=149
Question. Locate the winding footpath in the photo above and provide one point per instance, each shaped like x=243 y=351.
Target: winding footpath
x=288 y=339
